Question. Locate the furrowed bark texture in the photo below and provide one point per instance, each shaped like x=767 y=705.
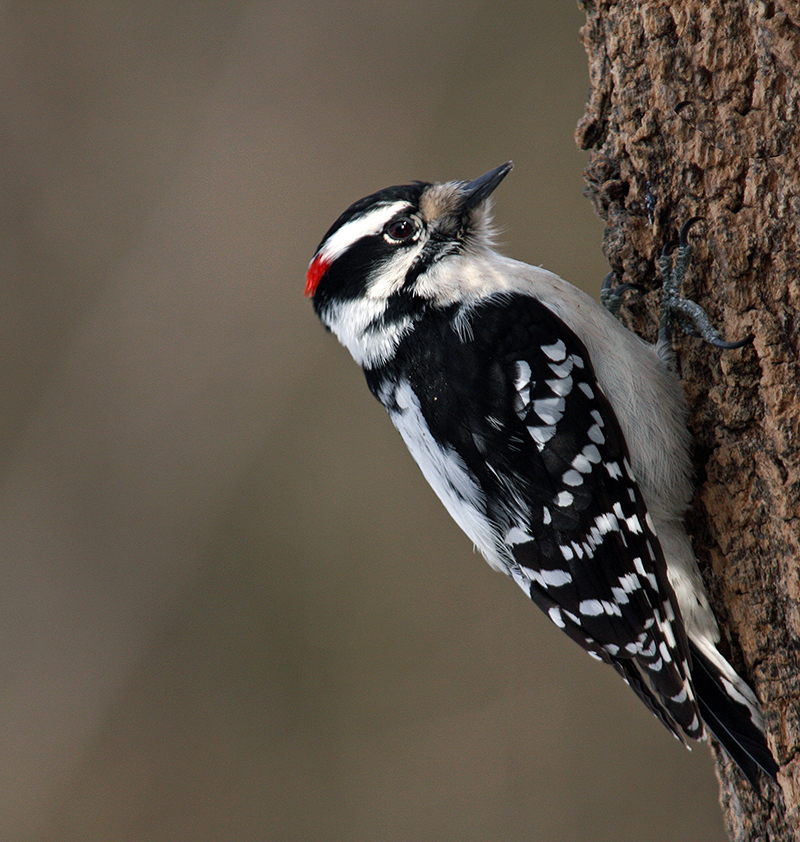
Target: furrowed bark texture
x=694 y=111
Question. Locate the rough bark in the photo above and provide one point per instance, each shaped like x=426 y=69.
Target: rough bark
x=694 y=112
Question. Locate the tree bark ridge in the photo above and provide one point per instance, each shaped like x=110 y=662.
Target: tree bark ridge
x=695 y=111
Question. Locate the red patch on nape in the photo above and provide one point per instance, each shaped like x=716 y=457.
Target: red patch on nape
x=319 y=266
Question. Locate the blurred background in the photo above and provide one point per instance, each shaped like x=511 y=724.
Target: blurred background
x=230 y=607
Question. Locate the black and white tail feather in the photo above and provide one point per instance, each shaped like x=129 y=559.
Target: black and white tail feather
x=555 y=438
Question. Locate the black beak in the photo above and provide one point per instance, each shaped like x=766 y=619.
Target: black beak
x=476 y=191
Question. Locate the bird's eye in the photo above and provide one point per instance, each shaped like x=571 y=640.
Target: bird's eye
x=401 y=229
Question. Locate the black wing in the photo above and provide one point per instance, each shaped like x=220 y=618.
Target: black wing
x=596 y=567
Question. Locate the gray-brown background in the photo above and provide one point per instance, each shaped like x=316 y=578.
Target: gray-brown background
x=230 y=607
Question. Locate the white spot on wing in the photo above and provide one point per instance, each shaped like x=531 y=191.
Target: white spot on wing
x=523 y=377
x=541 y=435
x=620 y=596
x=650 y=651
x=572 y=478
x=550 y=578
x=592 y=454
x=606 y=523
x=681 y=697
x=634 y=525
x=629 y=582
x=590 y=607
x=515 y=535
x=596 y=434
x=582 y=464
x=561 y=370
x=556 y=352
x=550 y=410
x=560 y=387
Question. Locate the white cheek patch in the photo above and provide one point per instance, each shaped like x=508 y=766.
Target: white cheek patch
x=393 y=272
x=362 y=226
x=354 y=323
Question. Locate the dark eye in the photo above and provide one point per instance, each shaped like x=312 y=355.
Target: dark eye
x=401 y=229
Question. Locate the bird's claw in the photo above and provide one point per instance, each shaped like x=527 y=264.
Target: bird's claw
x=691 y=317
x=611 y=296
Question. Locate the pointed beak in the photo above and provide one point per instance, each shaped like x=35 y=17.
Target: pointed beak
x=475 y=192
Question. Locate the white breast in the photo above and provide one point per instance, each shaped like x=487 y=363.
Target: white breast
x=446 y=473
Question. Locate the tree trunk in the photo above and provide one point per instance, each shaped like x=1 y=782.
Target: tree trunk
x=694 y=112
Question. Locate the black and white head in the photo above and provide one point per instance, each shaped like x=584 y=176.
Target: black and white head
x=394 y=254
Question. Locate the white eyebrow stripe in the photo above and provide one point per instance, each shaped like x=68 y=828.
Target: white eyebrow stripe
x=362 y=226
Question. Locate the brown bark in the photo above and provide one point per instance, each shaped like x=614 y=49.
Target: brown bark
x=694 y=112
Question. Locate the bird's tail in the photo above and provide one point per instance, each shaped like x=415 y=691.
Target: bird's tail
x=730 y=712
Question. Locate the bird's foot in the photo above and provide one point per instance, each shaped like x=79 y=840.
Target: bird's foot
x=675 y=309
x=611 y=297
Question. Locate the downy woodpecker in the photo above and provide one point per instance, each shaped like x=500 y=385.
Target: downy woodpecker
x=555 y=437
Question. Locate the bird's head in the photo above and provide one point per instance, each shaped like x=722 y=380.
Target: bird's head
x=386 y=257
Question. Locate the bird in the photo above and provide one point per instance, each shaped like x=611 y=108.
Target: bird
x=555 y=437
